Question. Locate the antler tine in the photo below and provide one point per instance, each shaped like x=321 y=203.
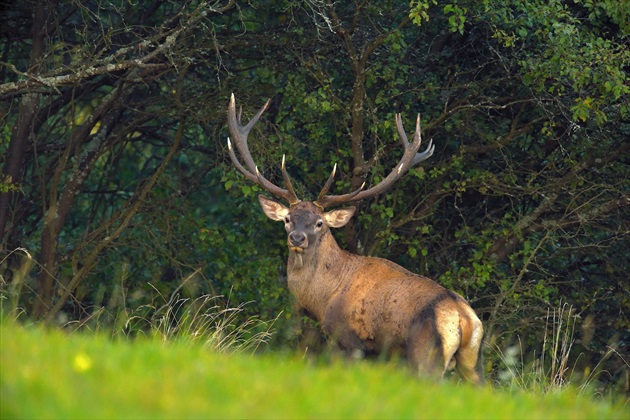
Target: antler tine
x=292 y=197
x=323 y=200
x=256 y=177
x=419 y=157
x=329 y=182
x=250 y=170
x=239 y=132
x=409 y=158
x=401 y=131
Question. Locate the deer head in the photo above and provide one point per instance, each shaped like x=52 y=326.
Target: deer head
x=304 y=222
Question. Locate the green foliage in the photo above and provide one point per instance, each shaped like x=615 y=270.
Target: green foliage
x=568 y=59
x=419 y=11
x=456 y=18
x=8 y=186
x=617 y=11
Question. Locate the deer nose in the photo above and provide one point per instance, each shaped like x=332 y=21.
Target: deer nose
x=297 y=238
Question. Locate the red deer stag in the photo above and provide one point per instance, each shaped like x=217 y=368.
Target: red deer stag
x=366 y=304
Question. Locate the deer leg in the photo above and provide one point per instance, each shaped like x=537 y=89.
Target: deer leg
x=425 y=352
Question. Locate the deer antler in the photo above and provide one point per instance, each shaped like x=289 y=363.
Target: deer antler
x=408 y=160
x=239 y=133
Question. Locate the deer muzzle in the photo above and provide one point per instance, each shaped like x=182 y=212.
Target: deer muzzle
x=298 y=241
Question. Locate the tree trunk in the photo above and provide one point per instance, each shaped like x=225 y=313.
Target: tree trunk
x=21 y=133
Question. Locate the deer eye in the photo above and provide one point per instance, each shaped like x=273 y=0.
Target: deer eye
x=319 y=223
x=287 y=220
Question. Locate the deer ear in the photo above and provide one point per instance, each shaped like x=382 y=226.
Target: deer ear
x=339 y=218
x=273 y=209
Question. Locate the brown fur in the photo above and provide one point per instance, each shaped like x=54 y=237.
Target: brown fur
x=372 y=305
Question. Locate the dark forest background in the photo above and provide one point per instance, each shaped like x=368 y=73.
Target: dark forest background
x=117 y=193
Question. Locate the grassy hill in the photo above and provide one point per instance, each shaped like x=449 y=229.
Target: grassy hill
x=52 y=374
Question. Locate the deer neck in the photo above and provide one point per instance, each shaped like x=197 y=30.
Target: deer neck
x=315 y=274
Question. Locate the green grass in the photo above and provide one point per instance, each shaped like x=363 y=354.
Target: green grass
x=53 y=374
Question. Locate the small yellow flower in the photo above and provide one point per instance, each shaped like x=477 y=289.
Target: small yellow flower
x=82 y=362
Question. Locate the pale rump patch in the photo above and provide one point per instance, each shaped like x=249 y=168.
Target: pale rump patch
x=448 y=327
x=477 y=336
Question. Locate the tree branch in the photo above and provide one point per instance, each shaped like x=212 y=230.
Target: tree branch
x=153 y=48
x=124 y=217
